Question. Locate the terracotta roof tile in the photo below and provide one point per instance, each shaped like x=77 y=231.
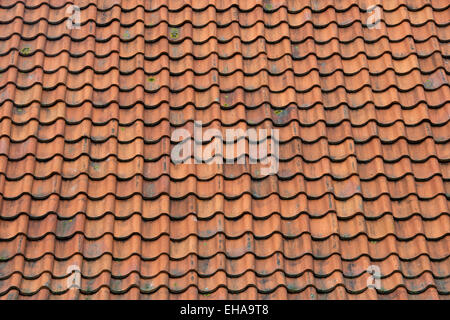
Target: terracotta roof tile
x=87 y=118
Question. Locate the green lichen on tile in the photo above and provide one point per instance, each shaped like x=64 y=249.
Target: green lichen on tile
x=205 y=292
x=4 y=255
x=147 y=287
x=95 y=166
x=279 y=112
x=292 y=288
x=126 y=34
x=268 y=6
x=25 y=51
x=174 y=33
x=151 y=79
x=429 y=84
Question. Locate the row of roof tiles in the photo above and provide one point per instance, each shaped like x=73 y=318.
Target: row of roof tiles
x=70 y=169
x=320 y=228
x=221 y=5
x=55 y=16
x=112 y=115
x=231 y=208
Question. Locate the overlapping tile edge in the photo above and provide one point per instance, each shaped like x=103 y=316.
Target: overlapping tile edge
x=363 y=180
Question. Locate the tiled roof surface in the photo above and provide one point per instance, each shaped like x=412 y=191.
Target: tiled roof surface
x=86 y=178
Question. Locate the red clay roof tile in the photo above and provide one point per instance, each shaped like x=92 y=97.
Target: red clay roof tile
x=87 y=179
